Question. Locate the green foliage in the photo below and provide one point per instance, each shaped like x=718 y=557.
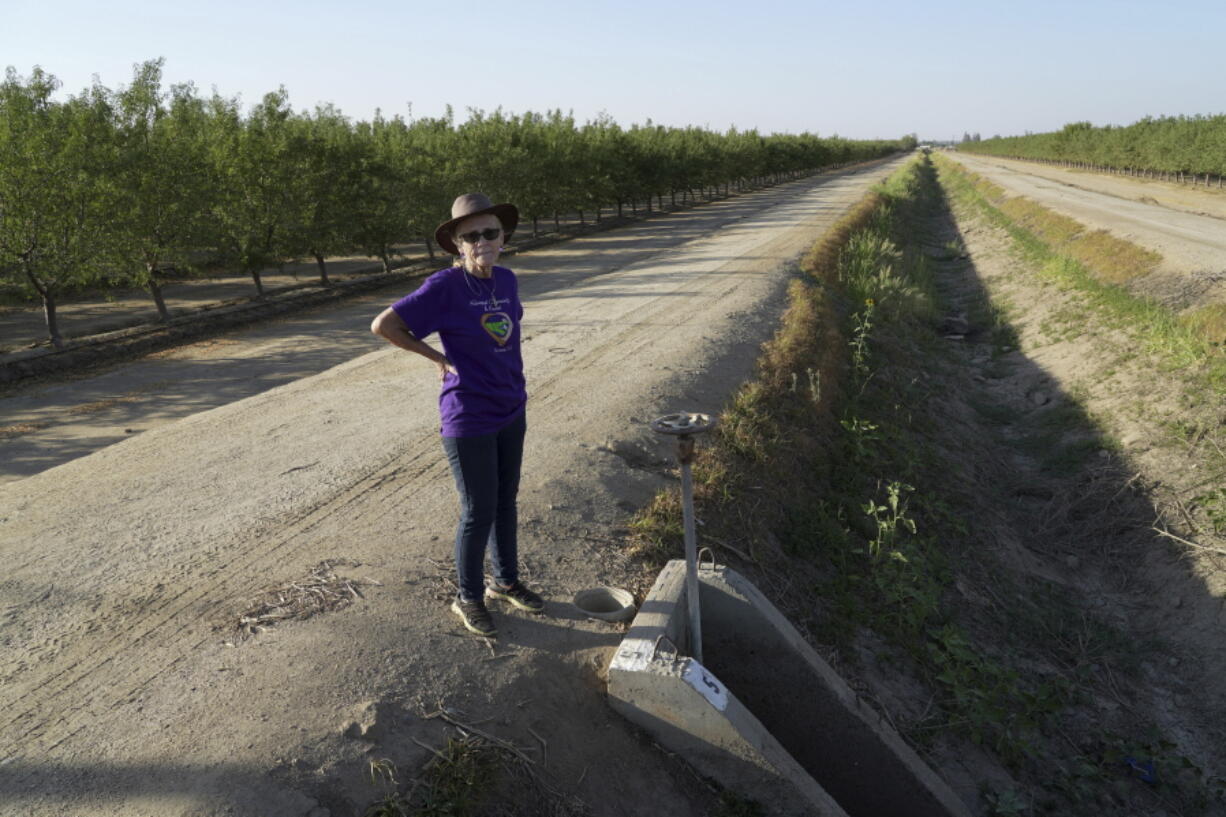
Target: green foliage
x=1169 y=144
x=862 y=324
x=1214 y=505
x=889 y=519
x=163 y=185
x=113 y=187
x=55 y=186
x=256 y=162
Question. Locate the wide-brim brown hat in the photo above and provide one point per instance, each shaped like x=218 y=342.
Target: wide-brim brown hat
x=475 y=204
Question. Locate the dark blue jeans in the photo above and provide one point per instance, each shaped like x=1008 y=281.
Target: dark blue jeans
x=486 y=471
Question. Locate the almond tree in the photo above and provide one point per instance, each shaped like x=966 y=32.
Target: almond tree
x=544 y=169
x=490 y=155
x=608 y=156
x=163 y=181
x=605 y=153
x=430 y=186
x=55 y=162
x=327 y=189
x=255 y=163
x=385 y=209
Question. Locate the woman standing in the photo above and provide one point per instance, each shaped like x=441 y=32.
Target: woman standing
x=475 y=309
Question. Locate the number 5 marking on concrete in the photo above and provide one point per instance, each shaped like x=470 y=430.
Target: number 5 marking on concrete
x=705 y=684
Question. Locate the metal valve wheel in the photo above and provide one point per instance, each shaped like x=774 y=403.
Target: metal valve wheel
x=683 y=422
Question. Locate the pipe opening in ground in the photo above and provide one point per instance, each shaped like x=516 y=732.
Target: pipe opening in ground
x=606 y=603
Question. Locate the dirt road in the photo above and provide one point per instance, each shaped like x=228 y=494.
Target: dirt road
x=265 y=452
x=1187 y=226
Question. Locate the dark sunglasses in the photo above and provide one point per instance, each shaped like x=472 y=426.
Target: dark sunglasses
x=489 y=234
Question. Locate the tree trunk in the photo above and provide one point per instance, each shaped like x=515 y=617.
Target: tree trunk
x=53 y=326
x=163 y=314
x=672 y=197
x=619 y=208
x=323 y=269
x=430 y=248
x=155 y=289
x=259 y=285
x=557 y=225
x=53 y=329
x=634 y=206
x=386 y=259
x=660 y=201
x=581 y=221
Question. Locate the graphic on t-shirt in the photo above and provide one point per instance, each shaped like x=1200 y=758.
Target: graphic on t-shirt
x=498 y=325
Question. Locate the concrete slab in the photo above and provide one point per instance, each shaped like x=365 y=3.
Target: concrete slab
x=766 y=716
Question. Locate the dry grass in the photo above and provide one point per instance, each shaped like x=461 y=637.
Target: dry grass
x=322 y=590
x=1111 y=260
x=476 y=773
x=1056 y=230
x=993 y=192
x=17 y=429
x=1209 y=321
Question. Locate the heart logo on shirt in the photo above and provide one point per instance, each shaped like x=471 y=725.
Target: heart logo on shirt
x=498 y=325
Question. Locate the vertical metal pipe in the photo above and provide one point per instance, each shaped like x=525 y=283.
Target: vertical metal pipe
x=684 y=425
x=686 y=446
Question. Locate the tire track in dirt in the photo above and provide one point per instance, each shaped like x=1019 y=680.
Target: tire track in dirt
x=184 y=612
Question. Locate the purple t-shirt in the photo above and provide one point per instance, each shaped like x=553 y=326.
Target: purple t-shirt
x=477 y=320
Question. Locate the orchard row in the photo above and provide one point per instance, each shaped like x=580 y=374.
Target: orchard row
x=1179 y=146
x=111 y=188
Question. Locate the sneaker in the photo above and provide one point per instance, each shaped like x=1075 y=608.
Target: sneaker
x=475 y=617
x=517 y=594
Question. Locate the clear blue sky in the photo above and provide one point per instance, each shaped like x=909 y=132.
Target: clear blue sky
x=879 y=69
